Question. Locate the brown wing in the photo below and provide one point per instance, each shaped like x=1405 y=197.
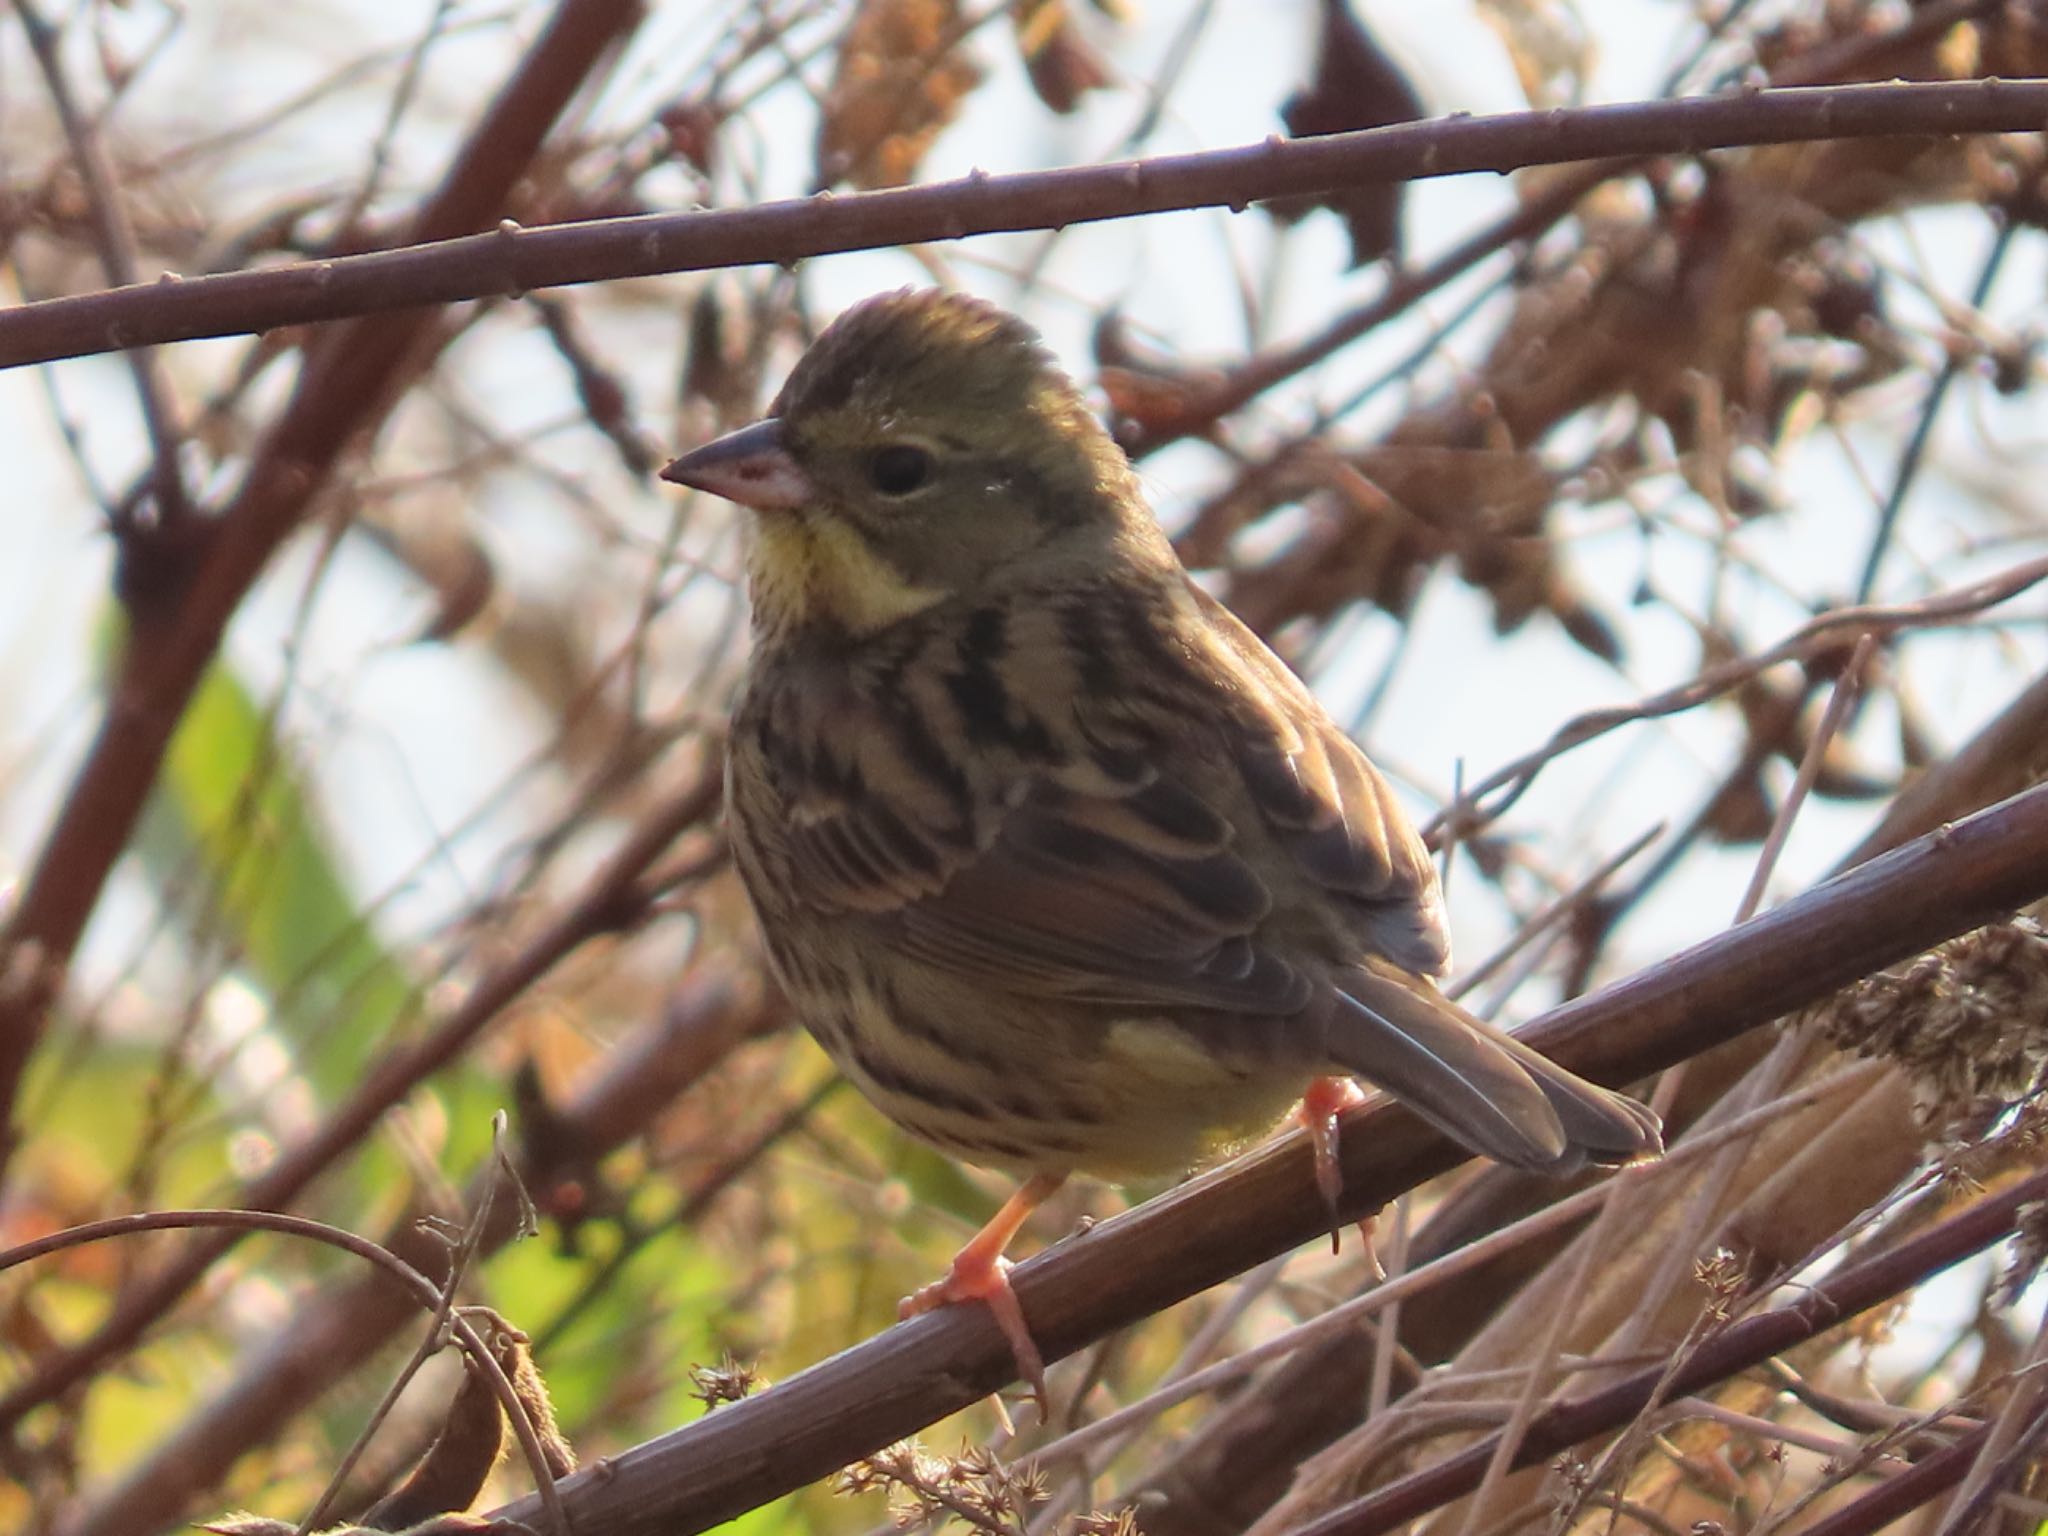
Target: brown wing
x=1086 y=867
x=1134 y=899
x=1324 y=803
x=1128 y=894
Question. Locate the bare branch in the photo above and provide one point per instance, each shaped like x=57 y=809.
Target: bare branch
x=515 y=260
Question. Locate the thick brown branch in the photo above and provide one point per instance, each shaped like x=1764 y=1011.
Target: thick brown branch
x=516 y=260
x=1898 y=1496
x=1219 y=1226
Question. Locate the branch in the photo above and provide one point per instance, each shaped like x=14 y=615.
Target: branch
x=611 y=901
x=514 y=261
x=179 y=612
x=1838 y=629
x=420 y=1290
x=115 y=239
x=338 y=1330
x=1899 y=1495
x=1849 y=1291
x=1224 y=1223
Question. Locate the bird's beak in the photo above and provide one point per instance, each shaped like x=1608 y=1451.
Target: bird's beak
x=750 y=466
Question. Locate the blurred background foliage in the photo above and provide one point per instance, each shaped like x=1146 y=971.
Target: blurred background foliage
x=1656 y=430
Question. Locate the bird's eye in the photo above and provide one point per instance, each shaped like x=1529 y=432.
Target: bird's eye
x=899 y=469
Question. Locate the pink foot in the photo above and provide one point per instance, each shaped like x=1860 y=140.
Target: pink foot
x=986 y=1279
x=1326 y=1098
x=981 y=1273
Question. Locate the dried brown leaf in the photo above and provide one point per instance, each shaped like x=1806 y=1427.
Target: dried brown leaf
x=901 y=76
x=1356 y=86
x=1063 y=65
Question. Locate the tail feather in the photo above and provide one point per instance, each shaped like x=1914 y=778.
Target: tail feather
x=1481 y=1087
x=1604 y=1127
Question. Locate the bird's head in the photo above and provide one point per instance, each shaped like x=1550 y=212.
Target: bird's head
x=925 y=447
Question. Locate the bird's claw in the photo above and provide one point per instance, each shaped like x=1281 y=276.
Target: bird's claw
x=1326 y=1098
x=988 y=1282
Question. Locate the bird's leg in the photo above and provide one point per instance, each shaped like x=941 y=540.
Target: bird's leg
x=981 y=1273
x=1326 y=1098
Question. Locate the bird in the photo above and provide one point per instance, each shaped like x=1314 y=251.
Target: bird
x=1063 y=867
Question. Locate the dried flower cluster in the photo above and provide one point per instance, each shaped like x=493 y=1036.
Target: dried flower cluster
x=1968 y=1021
x=727 y=1382
x=972 y=1486
x=1122 y=1522
x=1724 y=1276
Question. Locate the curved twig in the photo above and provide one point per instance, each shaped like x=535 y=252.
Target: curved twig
x=423 y=1290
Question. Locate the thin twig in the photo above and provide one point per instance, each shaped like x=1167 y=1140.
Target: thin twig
x=2010 y=1440
x=115 y=240
x=1824 y=632
x=1847 y=687
x=499 y=1177
x=1923 y=430
x=1853 y=1289
x=516 y=260
x=1555 y=910
x=610 y=899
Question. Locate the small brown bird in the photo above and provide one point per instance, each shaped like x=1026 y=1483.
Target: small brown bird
x=1063 y=867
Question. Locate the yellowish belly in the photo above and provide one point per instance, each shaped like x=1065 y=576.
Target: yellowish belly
x=1115 y=1098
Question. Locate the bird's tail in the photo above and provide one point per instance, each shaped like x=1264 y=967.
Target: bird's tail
x=1482 y=1088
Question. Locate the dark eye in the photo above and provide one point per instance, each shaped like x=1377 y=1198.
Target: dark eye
x=899 y=469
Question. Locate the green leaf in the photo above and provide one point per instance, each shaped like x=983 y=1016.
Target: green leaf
x=233 y=840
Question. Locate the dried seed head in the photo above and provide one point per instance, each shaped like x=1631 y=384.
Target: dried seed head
x=973 y=1486
x=1724 y=1276
x=1123 y=1522
x=726 y=1382
x=1968 y=1021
